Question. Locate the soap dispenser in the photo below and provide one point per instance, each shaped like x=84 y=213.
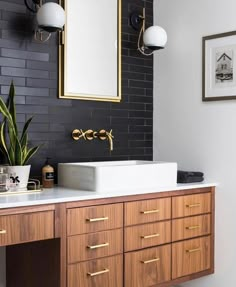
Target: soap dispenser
x=47 y=175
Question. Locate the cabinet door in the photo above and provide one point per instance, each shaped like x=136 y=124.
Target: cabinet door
x=191 y=256
x=26 y=227
x=190 y=227
x=93 y=245
x=188 y=205
x=147 y=235
x=146 y=211
x=106 y=272
x=94 y=218
x=148 y=267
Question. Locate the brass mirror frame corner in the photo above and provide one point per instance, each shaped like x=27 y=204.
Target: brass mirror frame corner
x=62 y=51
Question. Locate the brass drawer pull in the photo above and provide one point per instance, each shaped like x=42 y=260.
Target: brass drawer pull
x=193 y=205
x=151 y=260
x=193 y=227
x=3 y=231
x=97 y=219
x=150 y=236
x=98 y=246
x=150 y=211
x=193 y=250
x=98 y=273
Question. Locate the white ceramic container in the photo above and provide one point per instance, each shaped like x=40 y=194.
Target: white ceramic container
x=19 y=176
x=117 y=175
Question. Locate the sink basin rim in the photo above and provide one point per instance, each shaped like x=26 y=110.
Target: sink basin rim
x=118 y=163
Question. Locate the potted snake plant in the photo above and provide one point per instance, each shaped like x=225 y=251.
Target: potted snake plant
x=14 y=145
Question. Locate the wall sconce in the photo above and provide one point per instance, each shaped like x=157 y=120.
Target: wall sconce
x=50 y=17
x=152 y=39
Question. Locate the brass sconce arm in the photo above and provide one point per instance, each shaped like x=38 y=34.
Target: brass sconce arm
x=90 y=135
x=151 y=39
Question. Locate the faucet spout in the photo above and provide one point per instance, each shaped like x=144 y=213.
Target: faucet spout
x=110 y=139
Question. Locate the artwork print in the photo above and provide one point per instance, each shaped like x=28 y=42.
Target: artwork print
x=224 y=67
x=219 y=67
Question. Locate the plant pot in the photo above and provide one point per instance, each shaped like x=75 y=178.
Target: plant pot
x=19 y=176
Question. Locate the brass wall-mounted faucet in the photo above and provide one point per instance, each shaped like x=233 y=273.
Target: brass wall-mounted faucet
x=90 y=135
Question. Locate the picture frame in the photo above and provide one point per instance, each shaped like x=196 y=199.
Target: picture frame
x=219 y=67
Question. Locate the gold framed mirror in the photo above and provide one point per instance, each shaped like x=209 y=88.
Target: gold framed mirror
x=90 y=51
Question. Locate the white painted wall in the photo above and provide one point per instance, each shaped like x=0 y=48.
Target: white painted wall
x=199 y=136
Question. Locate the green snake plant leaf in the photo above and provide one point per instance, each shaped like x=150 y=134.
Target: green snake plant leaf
x=12 y=140
x=24 y=132
x=4 y=110
x=13 y=146
x=12 y=154
x=18 y=153
x=30 y=153
x=24 y=146
x=11 y=107
x=24 y=143
x=3 y=143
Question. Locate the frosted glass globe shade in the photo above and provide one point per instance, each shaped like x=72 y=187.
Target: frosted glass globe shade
x=51 y=17
x=155 y=37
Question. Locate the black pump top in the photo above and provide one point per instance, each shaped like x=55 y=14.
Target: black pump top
x=47 y=161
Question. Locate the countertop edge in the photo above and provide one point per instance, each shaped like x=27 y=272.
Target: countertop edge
x=63 y=195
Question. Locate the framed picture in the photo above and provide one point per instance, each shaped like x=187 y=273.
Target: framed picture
x=219 y=67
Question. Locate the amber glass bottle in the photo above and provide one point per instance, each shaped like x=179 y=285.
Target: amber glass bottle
x=47 y=175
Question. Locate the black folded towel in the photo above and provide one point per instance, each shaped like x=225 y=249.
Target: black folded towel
x=189 y=176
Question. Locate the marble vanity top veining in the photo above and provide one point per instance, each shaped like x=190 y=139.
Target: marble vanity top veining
x=61 y=194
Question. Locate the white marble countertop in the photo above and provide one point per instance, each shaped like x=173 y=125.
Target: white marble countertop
x=61 y=194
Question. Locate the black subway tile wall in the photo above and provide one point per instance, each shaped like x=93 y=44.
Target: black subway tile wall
x=33 y=67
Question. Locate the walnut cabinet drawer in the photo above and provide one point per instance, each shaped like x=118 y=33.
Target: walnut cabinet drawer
x=148 y=267
x=106 y=272
x=147 y=235
x=190 y=227
x=145 y=211
x=94 y=218
x=94 y=245
x=26 y=227
x=191 y=256
x=189 y=205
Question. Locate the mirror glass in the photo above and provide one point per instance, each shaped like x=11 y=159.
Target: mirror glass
x=90 y=60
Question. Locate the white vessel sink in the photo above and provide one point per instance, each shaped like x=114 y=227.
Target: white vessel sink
x=117 y=175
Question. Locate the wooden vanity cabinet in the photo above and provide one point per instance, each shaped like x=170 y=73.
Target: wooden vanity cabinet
x=144 y=240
